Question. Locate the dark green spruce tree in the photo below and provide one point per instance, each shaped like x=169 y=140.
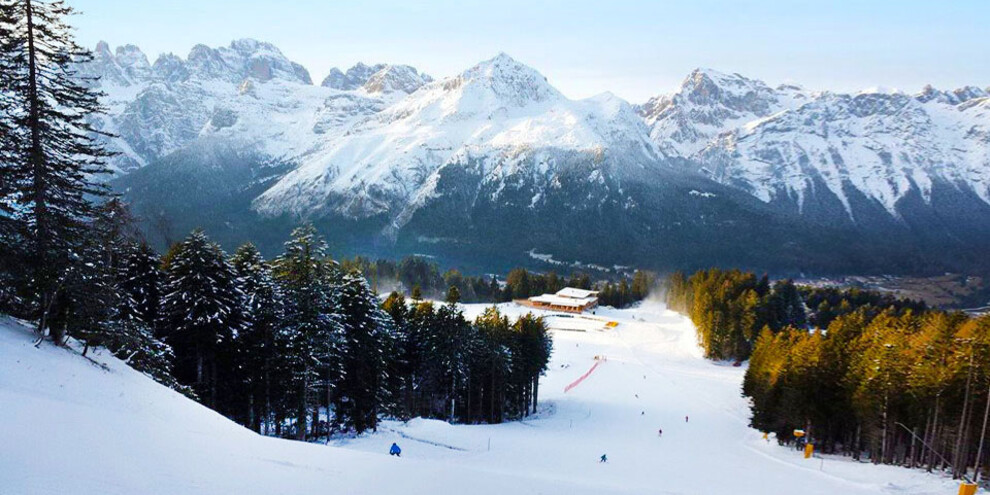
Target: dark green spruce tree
x=203 y=311
x=143 y=280
x=262 y=347
x=368 y=332
x=308 y=278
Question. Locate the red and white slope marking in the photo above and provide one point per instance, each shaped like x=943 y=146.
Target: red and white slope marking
x=582 y=377
x=115 y=432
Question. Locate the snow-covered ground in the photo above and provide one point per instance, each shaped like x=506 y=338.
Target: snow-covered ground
x=70 y=425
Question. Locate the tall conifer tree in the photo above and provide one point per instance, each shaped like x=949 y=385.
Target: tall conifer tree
x=53 y=157
x=203 y=308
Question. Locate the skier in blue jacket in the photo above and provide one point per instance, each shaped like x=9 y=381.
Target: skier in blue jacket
x=395 y=450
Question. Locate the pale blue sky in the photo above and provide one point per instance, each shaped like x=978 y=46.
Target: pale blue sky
x=633 y=48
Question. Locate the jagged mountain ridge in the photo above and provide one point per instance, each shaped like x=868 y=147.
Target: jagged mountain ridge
x=781 y=145
x=248 y=92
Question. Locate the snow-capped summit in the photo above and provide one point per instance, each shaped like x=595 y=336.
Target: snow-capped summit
x=499 y=119
x=507 y=80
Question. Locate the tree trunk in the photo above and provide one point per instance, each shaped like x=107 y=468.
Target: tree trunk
x=957 y=451
x=301 y=412
x=199 y=367
x=856 y=452
x=536 y=391
x=251 y=414
x=467 y=413
x=934 y=440
x=910 y=458
x=213 y=383
x=883 y=434
x=316 y=422
x=983 y=433
x=39 y=192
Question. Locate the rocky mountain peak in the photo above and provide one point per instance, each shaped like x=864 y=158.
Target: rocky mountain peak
x=102 y=50
x=510 y=80
x=170 y=68
x=354 y=78
x=392 y=78
x=954 y=97
x=133 y=61
x=709 y=87
x=242 y=59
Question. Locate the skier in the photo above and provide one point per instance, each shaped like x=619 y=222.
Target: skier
x=603 y=459
x=395 y=450
x=659 y=432
x=685 y=419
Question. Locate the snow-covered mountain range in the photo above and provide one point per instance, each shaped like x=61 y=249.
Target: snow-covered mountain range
x=787 y=144
x=386 y=153
x=499 y=119
x=248 y=92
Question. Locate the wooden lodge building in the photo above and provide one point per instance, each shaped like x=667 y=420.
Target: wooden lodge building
x=568 y=300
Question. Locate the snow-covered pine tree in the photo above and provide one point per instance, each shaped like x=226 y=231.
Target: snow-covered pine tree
x=261 y=349
x=139 y=291
x=535 y=345
x=315 y=344
x=142 y=278
x=368 y=331
x=203 y=311
x=95 y=307
x=56 y=156
x=495 y=363
x=89 y=306
x=447 y=350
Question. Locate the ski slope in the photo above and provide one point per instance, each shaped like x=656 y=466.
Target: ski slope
x=71 y=425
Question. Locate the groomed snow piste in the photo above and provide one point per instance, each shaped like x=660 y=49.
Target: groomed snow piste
x=73 y=425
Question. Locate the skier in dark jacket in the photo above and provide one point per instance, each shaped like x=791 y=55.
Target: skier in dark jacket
x=603 y=459
x=395 y=450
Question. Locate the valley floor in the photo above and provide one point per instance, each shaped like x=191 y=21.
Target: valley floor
x=70 y=425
